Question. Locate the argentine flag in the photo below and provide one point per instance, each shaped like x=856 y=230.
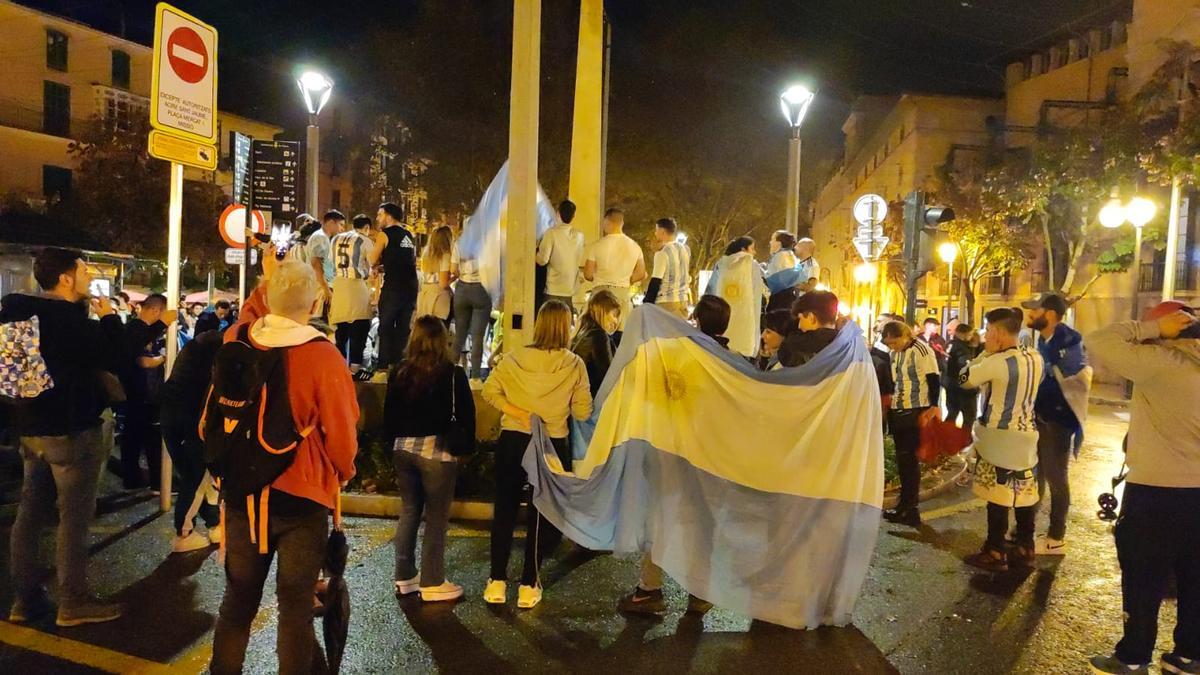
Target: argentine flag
x=760 y=492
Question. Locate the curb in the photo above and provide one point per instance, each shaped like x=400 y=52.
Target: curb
x=947 y=479
x=388 y=506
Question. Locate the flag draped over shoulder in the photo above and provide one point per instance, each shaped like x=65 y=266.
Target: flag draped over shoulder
x=738 y=280
x=760 y=492
x=483 y=237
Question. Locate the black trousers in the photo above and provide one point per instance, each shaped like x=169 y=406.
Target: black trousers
x=962 y=401
x=541 y=537
x=1157 y=533
x=140 y=435
x=187 y=454
x=907 y=435
x=395 y=324
x=351 y=339
x=997 y=520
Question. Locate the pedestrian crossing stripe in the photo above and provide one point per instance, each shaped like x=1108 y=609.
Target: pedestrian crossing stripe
x=78 y=652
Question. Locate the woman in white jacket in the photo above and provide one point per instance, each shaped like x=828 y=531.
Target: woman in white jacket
x=738 y=280
x=548 y=380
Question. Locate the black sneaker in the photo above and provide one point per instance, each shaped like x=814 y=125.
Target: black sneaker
x=90 y=612
x=32 y=609
x=1173 y=663
x=697 y=605
x=910 y=517
x=643 y=602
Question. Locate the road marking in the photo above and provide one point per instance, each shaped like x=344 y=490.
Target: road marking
x=953 y=509
x=77 y=652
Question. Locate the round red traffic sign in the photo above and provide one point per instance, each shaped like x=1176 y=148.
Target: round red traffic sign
x=187 y=54
x=232 y=224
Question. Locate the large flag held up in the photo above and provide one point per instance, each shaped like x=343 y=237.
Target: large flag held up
x=484 y=237
x=760 y=492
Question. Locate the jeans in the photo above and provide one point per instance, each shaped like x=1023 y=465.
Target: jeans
x=907 y=435
x=1054 y=456
x=395 y=323
x=997 y=526
x=540 y=537
x=351 y=339
x=62 y=472
x=472 y=311
x=140 y=435
x=187 y=454
x=1158 y=532
x=426 y=488
x=965 y=402
x=300 y=543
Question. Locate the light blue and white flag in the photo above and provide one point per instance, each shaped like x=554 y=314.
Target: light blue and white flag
x=760 y=492
x=484 y=238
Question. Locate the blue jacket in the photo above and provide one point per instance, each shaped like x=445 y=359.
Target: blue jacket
x=1064 y=350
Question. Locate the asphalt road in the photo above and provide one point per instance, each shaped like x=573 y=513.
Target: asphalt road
x=921 y=611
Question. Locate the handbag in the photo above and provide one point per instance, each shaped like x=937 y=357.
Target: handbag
x=457 y=441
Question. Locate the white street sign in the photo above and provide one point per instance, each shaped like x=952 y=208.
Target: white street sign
x=184 y=80
x=869 y=248
x=236 y=256
x=870 y=209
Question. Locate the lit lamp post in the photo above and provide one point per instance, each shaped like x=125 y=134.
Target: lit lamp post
x=316 y=88
x=948 y=252
x=794 y=102
x=1137 y=212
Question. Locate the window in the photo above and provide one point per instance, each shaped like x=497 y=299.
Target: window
x=56 y=108
x=56 y=50
x=120 y=69
x=56 y=182
x=336 y=199
x=995 y=285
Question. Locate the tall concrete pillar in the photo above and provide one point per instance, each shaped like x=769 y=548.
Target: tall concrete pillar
x=587 y=152
x=521 y=220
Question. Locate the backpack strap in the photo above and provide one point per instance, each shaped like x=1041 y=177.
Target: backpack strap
x=258 y=527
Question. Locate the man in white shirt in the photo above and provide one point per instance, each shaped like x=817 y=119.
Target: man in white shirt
x=562 y=249
x=615 y=262
x=670 y=282
x=320 y=254
x=810 y=269
x=350 y=311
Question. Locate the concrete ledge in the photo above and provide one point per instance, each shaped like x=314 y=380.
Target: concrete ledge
x=934 y=485
x=388 y=506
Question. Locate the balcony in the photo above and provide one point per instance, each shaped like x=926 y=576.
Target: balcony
x=17 y=115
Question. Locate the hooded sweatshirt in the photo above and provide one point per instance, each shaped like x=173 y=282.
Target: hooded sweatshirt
x=321 y=393
x=1164 y=425
x=552 y=384
x=76 y=349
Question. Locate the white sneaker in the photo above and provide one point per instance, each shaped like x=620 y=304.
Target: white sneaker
x=496 y=593
x=216 y=534
x=447 y=591
x=193 y=541
x=528 y=596
x=1047 y=546
x=408 y=585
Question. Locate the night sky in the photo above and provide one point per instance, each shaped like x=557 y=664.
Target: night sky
x=691 y=79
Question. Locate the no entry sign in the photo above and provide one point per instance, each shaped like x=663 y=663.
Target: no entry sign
x=233 y=224
x=184 y=87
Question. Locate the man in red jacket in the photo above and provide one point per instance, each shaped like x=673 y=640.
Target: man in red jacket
x=321 y=393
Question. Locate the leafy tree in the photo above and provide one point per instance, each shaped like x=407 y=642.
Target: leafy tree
x=121 y=193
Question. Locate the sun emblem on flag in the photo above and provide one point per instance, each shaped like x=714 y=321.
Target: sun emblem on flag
x=731 y=292
x=676 y=385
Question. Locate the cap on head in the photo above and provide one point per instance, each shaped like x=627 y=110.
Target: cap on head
x=1164 y=308
x=1049 y=300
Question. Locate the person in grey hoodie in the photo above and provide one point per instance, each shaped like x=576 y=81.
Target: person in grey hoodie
x=548 y=380
x=1158 y=531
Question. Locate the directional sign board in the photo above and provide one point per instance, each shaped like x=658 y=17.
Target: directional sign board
x=182 y=150
x=237 y=256
x=276 y=169
x=241 y=167
x=184 y=76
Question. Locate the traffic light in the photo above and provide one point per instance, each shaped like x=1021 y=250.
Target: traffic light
x=921 y=238
x=922 y=234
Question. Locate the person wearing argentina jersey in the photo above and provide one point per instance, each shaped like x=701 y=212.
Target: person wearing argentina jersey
x=670 y=283
x=1006 y=438
x=350 y=312
x=916 y=377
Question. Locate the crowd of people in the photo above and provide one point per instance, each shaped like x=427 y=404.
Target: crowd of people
x=306 y=327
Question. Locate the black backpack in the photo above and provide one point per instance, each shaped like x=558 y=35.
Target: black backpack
x=250 y=437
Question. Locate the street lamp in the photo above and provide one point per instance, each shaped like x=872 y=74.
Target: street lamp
x=948 y=252
x=865 y=273
x=316 y=88
x=794 y=102
x=1137 y=212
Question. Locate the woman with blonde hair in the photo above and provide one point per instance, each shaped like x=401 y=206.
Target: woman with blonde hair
x=547 y=380
x=434 y=296
x=593 y=340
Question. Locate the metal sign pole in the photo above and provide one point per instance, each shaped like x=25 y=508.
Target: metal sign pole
x=244 y=272
x=174 y=253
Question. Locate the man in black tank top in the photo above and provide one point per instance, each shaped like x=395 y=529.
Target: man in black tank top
x=397 y=251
